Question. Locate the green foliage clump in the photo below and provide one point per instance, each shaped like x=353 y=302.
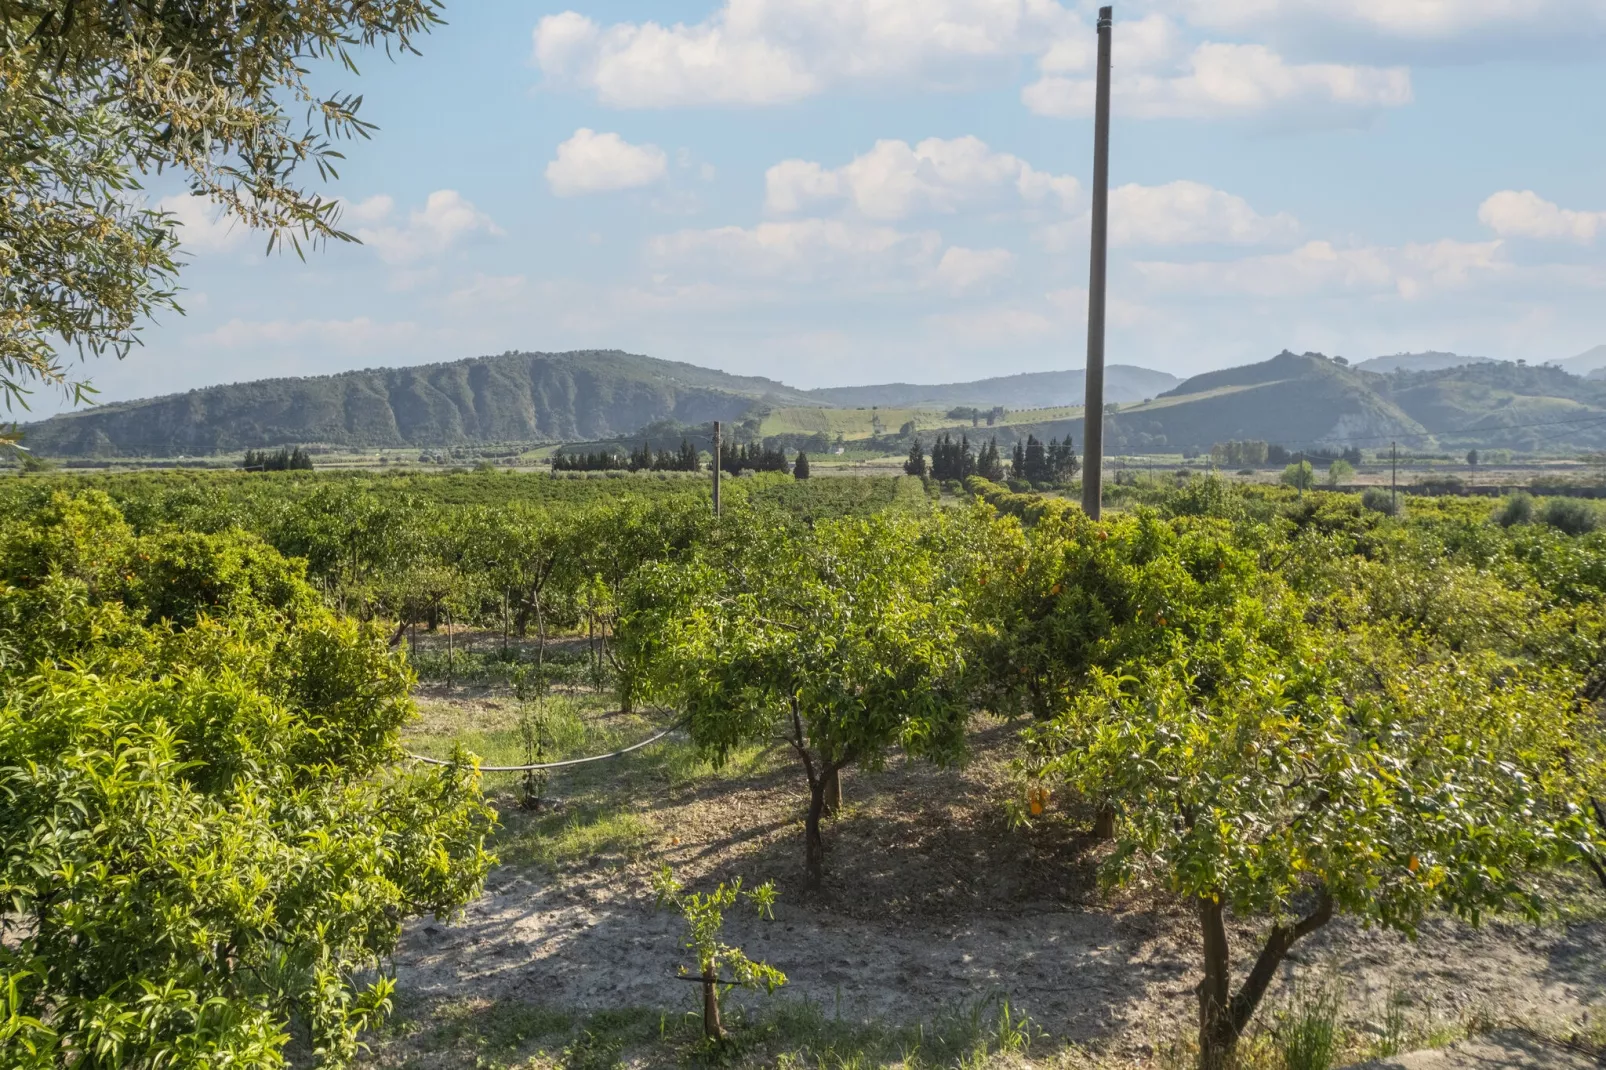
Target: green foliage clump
x=1277 y=726
x=1379 y=500
x=846 y=640
x=1515 y=508
x=1571 y=515
x=1298 y=475
x=206 y=846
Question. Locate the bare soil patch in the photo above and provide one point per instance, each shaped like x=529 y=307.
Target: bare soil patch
x=932 y=901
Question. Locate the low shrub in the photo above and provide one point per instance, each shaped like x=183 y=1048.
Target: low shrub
x=1571 y=515
x=1515 y=509
x=1379 y=500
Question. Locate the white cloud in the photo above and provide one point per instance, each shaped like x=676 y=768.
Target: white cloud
x=1407 y=20
x=1184 y=213
x=347 y=336
x=203 y=226
x=804 y=250
x=894 y=180
x=590 y=162
x=773 y=51
x=1223 y=80
x=1511 y=214
x=760 y=52
x=446 y=219
x=1176 y=213
x=962 y=269
x=368 y=212
x=1320 y=268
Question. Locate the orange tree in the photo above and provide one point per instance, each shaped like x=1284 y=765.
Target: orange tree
x=206 y=846
x=1277 y=755
x=846 y=641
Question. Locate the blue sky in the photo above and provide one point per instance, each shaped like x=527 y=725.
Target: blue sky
x=852 y=191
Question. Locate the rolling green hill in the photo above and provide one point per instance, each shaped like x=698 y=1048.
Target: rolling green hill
x=1304 y=401
x=1122 y=383
x=1503 y=405
x=608 y=396
x=507 y=398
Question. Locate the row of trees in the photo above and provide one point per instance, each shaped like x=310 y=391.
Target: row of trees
x=753 y=457
x=969 y=412
x=281 y=460
x=1352 y=728
x=1033 y=460
x=954 y=460
x=1038 y=462
x=684 y=459
x=1264 y=737
x=640 y=459
x=1253 y=453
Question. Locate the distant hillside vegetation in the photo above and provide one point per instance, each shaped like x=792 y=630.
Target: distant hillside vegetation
x=1430 y=361
x=1586 y=363
x=1503 y=405
x=1304 y=401
x=1029 y=390
x=507 y=398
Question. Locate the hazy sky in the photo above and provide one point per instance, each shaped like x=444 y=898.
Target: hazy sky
x=850 y=191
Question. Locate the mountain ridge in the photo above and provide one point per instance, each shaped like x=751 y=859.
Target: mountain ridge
x=513 y=396
x=1299 y=400
x=1122 y=383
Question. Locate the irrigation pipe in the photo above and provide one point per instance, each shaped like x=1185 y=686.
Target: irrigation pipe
x=556 y=765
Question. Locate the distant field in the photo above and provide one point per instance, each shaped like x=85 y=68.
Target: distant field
x=849 y=423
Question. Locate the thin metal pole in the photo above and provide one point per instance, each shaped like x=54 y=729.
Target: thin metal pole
x=1093 y=410
x=717 y=463
x=1394 y=477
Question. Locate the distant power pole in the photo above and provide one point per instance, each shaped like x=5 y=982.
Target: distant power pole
x=1394 y=477
x=717 y=463
x=1093 y=410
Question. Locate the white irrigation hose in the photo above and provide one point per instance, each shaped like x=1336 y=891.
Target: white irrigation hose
x=553 y=765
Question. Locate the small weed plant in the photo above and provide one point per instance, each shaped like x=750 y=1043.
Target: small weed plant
x=1307 y=1031
x=719 y=965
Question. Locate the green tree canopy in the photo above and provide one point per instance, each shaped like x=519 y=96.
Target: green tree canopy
x=96 y=93
x=844 y=641
x=206 y=845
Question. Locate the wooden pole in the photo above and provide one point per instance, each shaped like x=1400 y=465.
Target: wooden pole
x=1394 y=477
x=717 y=465
x=1093 y=411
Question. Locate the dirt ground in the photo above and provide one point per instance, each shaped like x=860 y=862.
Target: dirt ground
x=933 y=900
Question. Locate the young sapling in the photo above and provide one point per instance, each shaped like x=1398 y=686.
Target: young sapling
x=705 y=918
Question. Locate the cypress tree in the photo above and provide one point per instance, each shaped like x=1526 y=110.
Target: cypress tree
x=916 y=464
x=800 y=470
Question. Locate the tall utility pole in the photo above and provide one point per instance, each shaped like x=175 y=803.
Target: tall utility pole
x=717 y=463
x=1093 y=410
x=1394 y=477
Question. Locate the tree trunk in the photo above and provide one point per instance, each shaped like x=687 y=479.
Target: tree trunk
x=540 y=634
x=813 y=844
x=506 y=621
x=1218 y=1040
x=1104 y=822
x=451 y=650
x=833 y=792
x=713 y=1028
x=1222 y=1019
